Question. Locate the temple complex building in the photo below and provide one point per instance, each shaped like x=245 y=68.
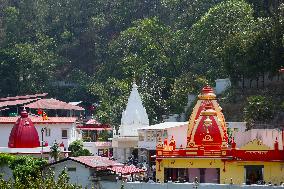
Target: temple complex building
x=96 y=136
x=211 y=156
x=125 y=141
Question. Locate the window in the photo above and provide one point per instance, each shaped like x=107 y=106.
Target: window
x=47 y=132
x=141 y=136
x=64 y=134
x=71 y=169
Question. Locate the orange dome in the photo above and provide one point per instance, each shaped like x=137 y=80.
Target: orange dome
x=24 y=134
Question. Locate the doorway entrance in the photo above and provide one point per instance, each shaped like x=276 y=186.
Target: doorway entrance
x=204 y=175
x=254 y=174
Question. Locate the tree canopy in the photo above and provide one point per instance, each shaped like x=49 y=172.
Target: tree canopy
x=168 y=47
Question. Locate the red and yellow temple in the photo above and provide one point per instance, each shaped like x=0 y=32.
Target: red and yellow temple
x=210 y=158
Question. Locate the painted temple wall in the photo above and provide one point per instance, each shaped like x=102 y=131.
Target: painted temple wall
x=273 y=171
x=267 y=136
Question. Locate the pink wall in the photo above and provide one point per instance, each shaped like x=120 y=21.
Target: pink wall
x=211 y=175
x=267 y=136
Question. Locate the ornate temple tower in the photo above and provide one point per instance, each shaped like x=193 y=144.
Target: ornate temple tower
x=24 y=133
x=207 y=128
x=133 y=117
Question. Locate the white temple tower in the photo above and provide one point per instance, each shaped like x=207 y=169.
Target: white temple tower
x=133 y=117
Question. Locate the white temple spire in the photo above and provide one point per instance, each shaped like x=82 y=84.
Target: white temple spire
x=134 y=116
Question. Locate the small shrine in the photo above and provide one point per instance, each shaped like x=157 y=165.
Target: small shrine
x=24 y=133
x=210 y=158
x=125 y=141
x=24 y=139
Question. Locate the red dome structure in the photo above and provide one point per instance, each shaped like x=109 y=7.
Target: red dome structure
x=24 y=134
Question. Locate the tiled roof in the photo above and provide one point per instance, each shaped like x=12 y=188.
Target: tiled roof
x=39 y=120
x=93 y=122
x=127 y=169
x=23 y=97
x=16 y=102
x=52 y=104
x=96 y=161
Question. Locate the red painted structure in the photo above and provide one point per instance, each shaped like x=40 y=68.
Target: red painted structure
x=207 y=137
x=24 y=134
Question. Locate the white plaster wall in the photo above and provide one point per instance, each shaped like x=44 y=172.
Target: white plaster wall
x=55 y=133
x=81 y=176
x=5 y=130
x=179 y=133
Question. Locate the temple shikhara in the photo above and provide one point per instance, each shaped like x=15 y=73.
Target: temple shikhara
x=213 y=157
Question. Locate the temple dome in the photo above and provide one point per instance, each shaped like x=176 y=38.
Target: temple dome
x=24 y=134
x=134 y=116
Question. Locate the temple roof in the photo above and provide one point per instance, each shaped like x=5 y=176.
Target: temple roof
x=23 y=134
x=207 y=124
x=134 y=116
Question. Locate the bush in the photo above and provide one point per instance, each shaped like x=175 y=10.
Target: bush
x=76 y=149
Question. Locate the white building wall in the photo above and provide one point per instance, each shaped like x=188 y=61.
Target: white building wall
x=5 y=130
x=81 y=176
x=179 y=133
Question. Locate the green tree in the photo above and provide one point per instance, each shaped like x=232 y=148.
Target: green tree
x=55 y=151
x=26 y=167
x=77 y=149
x=111 y=97
x=258 y=109
x=208 y=35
